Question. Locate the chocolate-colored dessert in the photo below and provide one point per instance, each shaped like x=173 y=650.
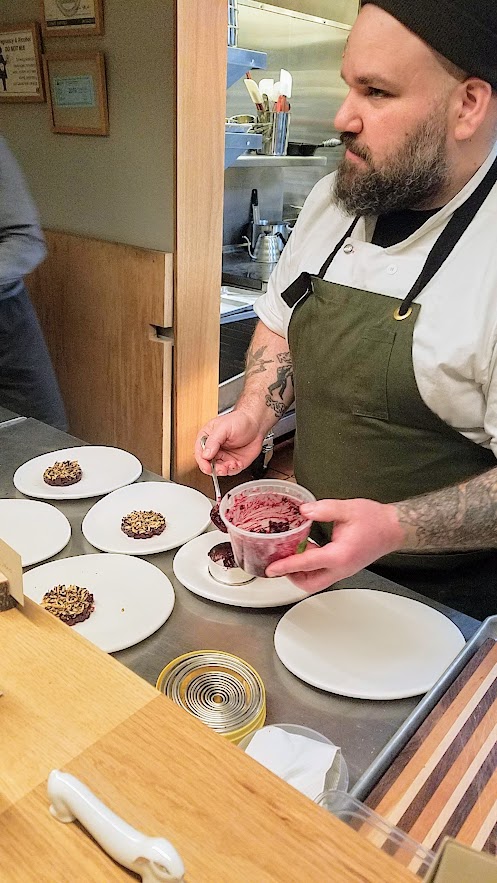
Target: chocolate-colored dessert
x=217 y=520
x=223 y=567
x=141 y=524
x=63 y=473
x=71 y=604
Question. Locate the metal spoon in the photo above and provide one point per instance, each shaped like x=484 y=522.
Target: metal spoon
x=215 y=516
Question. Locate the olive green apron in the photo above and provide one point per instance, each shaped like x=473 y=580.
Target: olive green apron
x=363 y=429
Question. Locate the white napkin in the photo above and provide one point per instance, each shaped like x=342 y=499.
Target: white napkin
x=300 y=761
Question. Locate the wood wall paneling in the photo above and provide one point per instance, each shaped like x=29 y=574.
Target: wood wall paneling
x=201 y=103
x=98 y=303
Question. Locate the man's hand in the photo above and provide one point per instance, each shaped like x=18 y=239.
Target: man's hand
x=233 y=440
x=363 y=532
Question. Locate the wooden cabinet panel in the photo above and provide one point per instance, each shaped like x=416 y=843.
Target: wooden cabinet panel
x=99 y=303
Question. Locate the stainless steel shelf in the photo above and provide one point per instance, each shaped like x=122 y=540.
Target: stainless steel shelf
x=235 y=143
x=253 y=161
x=242 y=60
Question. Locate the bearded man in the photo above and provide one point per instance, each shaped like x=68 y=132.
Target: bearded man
x=384 y=302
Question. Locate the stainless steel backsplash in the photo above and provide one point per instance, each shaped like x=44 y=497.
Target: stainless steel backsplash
x=311 y=49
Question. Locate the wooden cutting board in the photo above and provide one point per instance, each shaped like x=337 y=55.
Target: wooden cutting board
x=444 y=781
x=66 y=704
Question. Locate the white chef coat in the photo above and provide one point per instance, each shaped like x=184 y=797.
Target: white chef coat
x=455 y=337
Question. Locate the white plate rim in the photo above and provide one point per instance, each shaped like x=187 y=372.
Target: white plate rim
x=205 y=542
x=357 y=694
x=73 y=492
x=57 y=514
x=159 y=542
x=115 y=648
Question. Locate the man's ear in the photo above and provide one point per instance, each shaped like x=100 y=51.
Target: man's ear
x=472 y=100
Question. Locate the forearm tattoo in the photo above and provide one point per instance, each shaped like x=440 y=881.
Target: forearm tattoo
x=283 y=383
x=462 y=518
x=275 y=397
x=255 y=362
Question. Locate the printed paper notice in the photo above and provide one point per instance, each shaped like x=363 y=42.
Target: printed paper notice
x=76 y=91
x=18 y=63
x=69 y=13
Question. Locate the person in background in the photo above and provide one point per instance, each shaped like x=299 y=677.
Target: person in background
x=384 y=303
x=27 y=381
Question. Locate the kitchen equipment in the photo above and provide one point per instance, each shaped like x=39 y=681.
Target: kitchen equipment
x=366 y=644
x=299 y=148
x=253 y=91
x=215 y=509
x=442 y=783
x=283 y=228
x=256 y=215
x=266 y=86
x=190 y=566
x=152 y=858
x=275 y=135
x=462 y=662
x=244 y=122
x=268 y=247
x=267 y=240
x=232 y=22
x=285 y=83
x=219 y=689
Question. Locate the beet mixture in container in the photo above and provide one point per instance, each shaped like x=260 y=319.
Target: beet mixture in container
x=265 y=525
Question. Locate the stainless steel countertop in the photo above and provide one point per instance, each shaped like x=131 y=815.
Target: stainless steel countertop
x=360 y=727
x=7 y=416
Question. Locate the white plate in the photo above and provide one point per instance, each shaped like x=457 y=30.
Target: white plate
x=187 y=513
x=104 y=470
x=35 y=530
x=190 y=567
x=132 y=597
x=367 y=644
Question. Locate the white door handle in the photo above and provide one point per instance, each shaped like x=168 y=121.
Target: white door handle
x=153 y=858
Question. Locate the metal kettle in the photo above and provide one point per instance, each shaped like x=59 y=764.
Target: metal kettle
x=267 y=241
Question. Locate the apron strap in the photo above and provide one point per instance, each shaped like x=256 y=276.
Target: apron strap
x=450 y=236
x=459 y=222
x=322 y=272
x=302 y=285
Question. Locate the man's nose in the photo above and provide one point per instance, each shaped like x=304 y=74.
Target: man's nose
x=348 y=118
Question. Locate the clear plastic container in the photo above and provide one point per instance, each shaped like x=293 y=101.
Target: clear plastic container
x=373 y=827
x=254 y=551
x=298 y=730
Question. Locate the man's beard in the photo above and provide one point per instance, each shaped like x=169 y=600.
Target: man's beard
x=411 y=179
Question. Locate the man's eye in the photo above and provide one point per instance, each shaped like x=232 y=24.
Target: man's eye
x=377 y=93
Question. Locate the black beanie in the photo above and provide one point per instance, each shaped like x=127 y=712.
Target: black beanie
x=464 y=32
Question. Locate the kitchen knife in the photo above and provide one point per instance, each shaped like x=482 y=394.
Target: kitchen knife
x=254 y=202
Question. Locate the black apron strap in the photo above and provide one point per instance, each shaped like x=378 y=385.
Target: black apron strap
x=459 y=222
x=322 y=272
x=302 y=285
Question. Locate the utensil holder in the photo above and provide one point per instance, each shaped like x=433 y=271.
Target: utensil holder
x=275 y=133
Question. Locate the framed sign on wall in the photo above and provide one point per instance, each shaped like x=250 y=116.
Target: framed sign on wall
x=77 y=91
x=65 y=18
x=21 y=76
